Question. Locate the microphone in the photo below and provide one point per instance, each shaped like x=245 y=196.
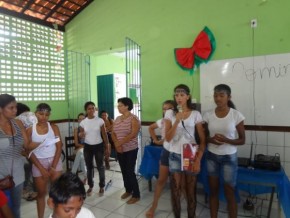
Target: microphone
x=179 y=108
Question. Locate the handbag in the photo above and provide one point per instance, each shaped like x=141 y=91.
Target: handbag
x=7 y=182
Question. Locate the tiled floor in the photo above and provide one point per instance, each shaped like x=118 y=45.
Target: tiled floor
x=110 y=204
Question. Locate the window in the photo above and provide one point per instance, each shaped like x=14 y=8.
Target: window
x=31 y=61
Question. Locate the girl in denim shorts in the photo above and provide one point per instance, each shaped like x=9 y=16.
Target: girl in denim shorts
x=164 y=162
x=225 y=127
x=180 y=125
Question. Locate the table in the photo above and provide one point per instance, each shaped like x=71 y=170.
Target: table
x=253 y=181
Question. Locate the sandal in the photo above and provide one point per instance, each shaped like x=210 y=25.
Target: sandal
x=101 y=191
x=32 y=196
x=89 y=191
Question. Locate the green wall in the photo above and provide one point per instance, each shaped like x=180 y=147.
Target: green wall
x=59 y=109
x=103 y=65
x=160 y=26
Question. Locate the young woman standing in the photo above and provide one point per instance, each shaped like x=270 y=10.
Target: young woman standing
x=225 y=128
x=46 y=146
x=164 y=163
x=125 y=136
x=94 y=132
x=180 y=125
x=13 y=140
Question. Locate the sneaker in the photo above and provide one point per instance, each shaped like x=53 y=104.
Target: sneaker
x=90 y=191
x=133 y=200
x=125 y=195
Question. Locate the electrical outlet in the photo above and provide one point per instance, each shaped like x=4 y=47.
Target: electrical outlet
x=254 y=23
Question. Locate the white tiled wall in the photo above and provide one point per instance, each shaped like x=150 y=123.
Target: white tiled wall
x=66 y=129
x=268 y=143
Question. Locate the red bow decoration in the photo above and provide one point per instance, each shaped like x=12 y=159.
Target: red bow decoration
x=201 y=51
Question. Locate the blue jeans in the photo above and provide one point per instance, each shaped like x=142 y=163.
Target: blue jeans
x=225 y=166
x=14 y=196
x=127 y=161
x=89 y=152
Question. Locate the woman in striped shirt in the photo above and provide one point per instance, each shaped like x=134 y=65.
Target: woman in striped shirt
x=13 y=139
x=125 y=136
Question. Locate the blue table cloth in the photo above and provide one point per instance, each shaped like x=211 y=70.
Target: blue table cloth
x=249 y=180
x=150 y=162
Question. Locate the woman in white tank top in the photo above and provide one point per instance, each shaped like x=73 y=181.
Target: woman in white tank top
x=46 y=146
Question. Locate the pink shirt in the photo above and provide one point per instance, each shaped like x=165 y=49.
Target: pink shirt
x=122 y=128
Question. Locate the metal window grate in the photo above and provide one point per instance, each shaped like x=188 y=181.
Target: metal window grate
x=31 y=61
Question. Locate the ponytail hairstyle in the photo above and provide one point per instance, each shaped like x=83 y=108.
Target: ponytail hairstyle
x=225 y=88
x=182 y=88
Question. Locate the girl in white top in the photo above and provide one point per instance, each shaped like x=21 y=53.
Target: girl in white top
x=46 y=146
x=163 y=168
x=179 y=129
x=91 y=129
x=225 y=128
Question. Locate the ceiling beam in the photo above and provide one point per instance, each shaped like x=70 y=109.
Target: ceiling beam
x=29 y=18
x=54 y=9
x=75 y=3
x=29 y=3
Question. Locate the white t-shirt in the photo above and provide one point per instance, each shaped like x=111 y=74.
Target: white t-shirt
x=183 y=135
x=160 y=124
x=225 y=126
x=84 y=213
x=92 y=129
x=28 y=118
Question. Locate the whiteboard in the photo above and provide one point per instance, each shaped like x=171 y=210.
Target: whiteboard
x=260 y=87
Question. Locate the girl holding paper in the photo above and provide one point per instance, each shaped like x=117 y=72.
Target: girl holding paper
x=180 y=125
x=46 y=146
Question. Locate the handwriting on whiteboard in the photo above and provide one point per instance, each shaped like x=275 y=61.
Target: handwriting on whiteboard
x=251 y=74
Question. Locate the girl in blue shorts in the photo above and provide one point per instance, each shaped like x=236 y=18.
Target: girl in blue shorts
x=164 y=162
x=225 y=128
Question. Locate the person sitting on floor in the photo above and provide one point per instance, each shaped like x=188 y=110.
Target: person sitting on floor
x=79 y=162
